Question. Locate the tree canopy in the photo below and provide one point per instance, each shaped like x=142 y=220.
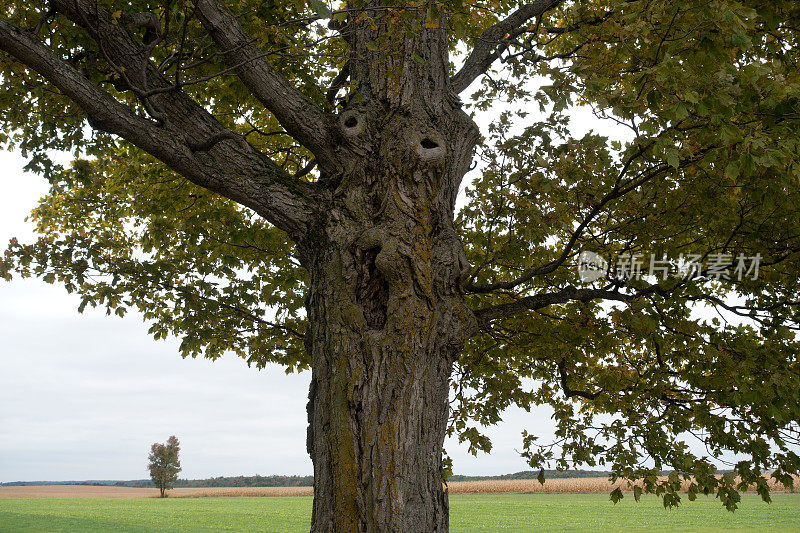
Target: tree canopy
x=693 y=155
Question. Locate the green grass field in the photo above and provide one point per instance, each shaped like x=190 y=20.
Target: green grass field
x=479 y=512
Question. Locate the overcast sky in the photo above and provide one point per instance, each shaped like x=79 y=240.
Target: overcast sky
x=84 y=396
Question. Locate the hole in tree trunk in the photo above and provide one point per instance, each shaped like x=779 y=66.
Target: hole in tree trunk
x=351 y=122
x=429 y=144
x=372 y=291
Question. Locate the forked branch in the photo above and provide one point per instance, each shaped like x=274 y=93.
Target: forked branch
x=495 y=39
x=568 y=294
x=235 y=172
x=299 y=116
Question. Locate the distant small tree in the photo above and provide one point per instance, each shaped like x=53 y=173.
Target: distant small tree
x=164 y=464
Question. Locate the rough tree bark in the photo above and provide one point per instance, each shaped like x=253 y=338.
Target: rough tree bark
x=387 y=320
x=387 y=312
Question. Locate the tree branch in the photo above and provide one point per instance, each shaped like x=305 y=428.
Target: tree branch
x=338 y=82
x=307 y=123
x=569 y=392
x=568 y=294
x=241 y=175
x=617 y=192
x=494 y=40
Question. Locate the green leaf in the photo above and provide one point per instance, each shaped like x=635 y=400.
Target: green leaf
x=680 y=111
x=672 y=159
x=321 y=8
x=732 y=170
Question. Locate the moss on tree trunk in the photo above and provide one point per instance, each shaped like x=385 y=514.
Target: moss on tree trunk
x=388 y=318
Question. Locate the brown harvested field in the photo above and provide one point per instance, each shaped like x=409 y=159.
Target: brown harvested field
x=520 y=486
x=75 y=491
x=553 y=486
x=91 y=491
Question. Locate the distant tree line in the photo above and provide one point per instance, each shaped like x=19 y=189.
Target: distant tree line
x=297 y=481
x=530 y=474
x=232 y=481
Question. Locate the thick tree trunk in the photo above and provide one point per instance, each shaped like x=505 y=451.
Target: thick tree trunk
x=378 y=412
x=388 y=318
x=385 y=303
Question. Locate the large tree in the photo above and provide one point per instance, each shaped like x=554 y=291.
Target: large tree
x=280 y=180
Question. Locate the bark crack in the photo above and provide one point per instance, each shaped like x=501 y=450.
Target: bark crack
x=372 y=290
